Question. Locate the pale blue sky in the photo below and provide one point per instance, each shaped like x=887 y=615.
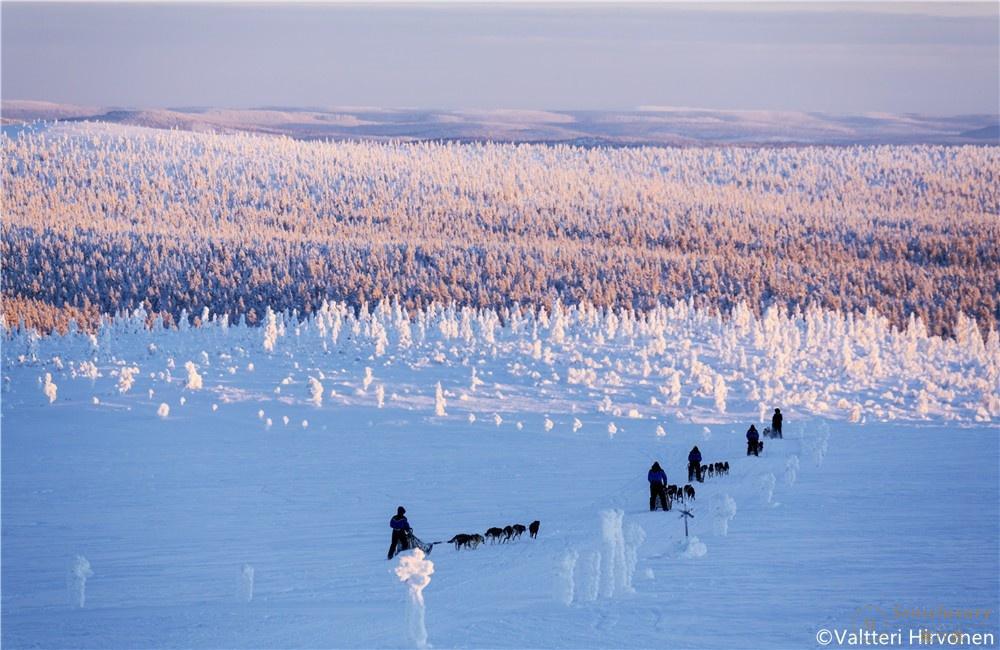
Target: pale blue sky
x=842 y=58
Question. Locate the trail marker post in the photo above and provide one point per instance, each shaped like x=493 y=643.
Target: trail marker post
x=685 y=515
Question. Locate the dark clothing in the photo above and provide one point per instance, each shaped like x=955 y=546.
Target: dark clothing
x=400 y=535
x=694 y=456
x=776 y=424
x=752 y=438
x=400 y=541
x=658 y=490
x=694 y=470
x=657 y=476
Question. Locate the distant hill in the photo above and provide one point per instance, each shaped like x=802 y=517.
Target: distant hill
x=645 y=126
x=991 y=133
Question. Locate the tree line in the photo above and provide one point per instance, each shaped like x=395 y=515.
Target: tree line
x=100 y=219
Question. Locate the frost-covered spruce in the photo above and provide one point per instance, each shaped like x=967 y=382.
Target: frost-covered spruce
x=439 y=401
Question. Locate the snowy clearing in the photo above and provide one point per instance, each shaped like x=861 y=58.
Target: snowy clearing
x=253 y=510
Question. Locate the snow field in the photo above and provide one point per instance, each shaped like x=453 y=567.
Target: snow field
x=168 y=511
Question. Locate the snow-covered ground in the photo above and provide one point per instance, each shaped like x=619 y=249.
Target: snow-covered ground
x=225 y=486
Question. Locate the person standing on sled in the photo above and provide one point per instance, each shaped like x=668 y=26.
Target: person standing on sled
x=657 y=487
x=694 y=465
x=400 y=532
x=776 y=423
x=752 y=438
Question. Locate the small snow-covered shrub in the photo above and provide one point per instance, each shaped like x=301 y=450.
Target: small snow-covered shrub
x=723 y=509
x=49 y=388
x=245 y=589
x=88 y=369
x=194 y=380
x=315 y=391
x=126 y=378
x=76 y=581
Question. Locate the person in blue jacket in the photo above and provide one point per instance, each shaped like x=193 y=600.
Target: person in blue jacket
x=752 y=438
x=400 y=532
x=657 y=487
x=694 y=465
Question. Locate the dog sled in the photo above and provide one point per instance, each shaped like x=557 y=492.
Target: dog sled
x=416 y=542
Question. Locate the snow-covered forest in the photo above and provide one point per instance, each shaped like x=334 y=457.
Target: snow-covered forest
x=667 y=360
x=103 y=219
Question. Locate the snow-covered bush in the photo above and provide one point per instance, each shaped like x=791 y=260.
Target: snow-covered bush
x=126 y=378
x=49 y=388
x=415 y=570
x=89 y=370
x=76 y=581
x=194 y=380
x=723 y=511
x=315 y=391
x=245 y=589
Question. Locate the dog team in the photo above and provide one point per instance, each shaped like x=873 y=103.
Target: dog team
x=495 y=535
x=659 y=490
x=403 y=538
x=754 y=444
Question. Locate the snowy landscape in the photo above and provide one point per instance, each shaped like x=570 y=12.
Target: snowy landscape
x=228 y=359
x=525 y=325
x=230 y=486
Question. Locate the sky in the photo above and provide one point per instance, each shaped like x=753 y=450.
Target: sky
x=937 y=58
